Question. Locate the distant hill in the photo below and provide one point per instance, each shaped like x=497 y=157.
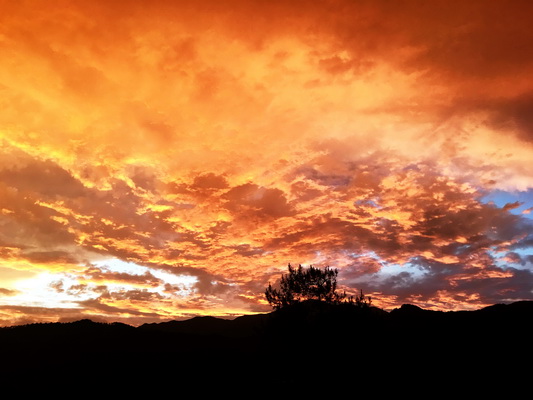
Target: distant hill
x=405 y=343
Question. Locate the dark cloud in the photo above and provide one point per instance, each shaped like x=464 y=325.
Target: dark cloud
x=209 y=181
x=41 y=179
x=202 y=187
x=48 y=208
x=326 y=178
x=28 y=223
x=497 y=286
x=514 y=258
x=303 y=191
x=144 y=178
x=513 y=113
x=245 y=250
x=253 y=201
x=475 y=39
x=512 y=206
x=146 y=279
x=446 y=224
x=52 y=256
x=8 y=292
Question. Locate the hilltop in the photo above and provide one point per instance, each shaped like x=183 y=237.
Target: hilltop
x=311 y=336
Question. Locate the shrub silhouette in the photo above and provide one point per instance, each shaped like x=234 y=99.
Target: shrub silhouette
x=302 y=284
x=360 y=300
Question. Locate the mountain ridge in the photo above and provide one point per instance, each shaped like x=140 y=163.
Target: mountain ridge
x=309 y=336
x=207 y=320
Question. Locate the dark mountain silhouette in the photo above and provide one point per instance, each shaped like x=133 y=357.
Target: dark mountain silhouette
x=405 y=346
x=243 y=326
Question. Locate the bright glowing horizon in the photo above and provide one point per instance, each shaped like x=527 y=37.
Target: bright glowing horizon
x=165 y=159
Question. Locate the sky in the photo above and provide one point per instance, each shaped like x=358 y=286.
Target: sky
x=166 y=159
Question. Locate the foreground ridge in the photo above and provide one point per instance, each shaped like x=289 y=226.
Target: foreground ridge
x=408 y=339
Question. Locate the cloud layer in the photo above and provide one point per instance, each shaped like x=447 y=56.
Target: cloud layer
x=164 y=159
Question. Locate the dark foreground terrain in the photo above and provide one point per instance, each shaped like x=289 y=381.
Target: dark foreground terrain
x=311 y=343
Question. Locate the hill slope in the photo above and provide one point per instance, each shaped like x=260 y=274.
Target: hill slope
x=405 y=342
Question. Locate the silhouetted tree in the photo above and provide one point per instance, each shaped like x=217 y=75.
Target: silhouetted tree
x=360 y=300
x=302 y=284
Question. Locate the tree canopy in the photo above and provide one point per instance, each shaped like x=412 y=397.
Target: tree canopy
x=311 y=283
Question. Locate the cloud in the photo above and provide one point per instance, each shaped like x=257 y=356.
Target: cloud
x=26 y=223
x=513 y=114
x=224 y=142
x=7 y=292
x=252 y=200
x=43 y=178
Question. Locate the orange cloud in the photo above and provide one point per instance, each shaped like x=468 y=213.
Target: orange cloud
x=223 y=142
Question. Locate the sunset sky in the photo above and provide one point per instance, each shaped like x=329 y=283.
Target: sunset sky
x=166 y=159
